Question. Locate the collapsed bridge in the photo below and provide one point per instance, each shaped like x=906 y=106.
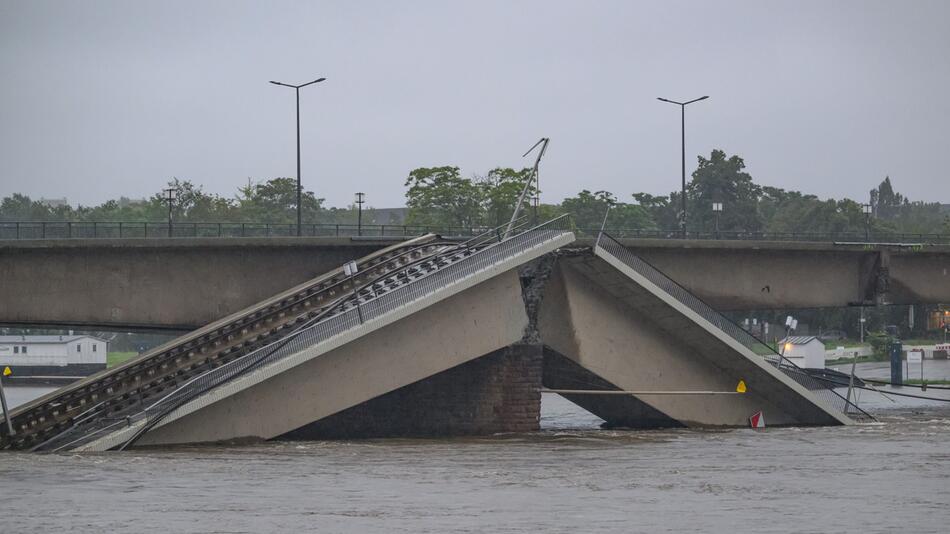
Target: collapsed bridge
x=435 y=337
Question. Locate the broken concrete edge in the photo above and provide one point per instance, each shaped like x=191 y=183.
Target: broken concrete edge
x=245 y=381
x=722 y=336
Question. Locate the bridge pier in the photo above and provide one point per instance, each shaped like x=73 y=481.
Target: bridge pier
x=499 y=392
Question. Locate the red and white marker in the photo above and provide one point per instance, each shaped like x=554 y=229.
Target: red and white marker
x=757 y=420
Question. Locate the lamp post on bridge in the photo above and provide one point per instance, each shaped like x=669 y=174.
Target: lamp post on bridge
x=296 y=88
x=682 y=106
x=359 y=213
x=717 y=207
x=866 y=208
x=170 y=195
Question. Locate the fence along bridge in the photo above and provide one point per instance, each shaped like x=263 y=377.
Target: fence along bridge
x=229 y=379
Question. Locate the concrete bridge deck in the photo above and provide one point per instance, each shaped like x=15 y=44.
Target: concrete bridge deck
x=181 y=284
x=611 y=328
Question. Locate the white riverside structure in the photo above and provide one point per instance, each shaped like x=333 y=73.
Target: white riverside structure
x=434 y=338
x=53 y=356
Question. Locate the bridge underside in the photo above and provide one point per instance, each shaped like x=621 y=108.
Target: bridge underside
x=611 y=333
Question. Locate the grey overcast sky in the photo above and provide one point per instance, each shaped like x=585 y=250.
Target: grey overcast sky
x=106 y=98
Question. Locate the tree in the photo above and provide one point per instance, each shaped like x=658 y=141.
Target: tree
x=22 y=208
x=439 y=196
x=501 y=188
x=662 y=210
x=588 y=210
x=723 y=179
x=885 y=202
x=275 y=201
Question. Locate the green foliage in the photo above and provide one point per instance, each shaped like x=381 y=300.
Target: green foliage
x=880 y=342
x=275 y=201
x=500 y=190
x=723 y=179
x=440 y=196
x=588 y=210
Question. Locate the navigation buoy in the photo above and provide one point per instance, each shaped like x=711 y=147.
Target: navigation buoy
x=740 y=388
x=757 y=420
x=7 y=371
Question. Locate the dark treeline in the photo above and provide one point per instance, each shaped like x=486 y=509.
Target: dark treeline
x=441 y=196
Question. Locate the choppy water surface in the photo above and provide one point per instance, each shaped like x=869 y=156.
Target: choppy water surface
x=892 y=476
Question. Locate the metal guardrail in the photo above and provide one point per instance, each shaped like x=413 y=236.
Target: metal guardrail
x=312 y=334
x=688 y=299
x=150 y=230
x=112 y=230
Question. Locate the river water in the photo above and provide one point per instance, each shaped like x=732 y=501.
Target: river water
x=571 y=477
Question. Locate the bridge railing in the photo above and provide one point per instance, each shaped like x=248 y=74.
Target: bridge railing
x=325 y=328
x=141 y=230
x=733 y=330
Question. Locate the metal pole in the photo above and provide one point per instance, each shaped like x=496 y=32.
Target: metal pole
x=683 y=155
x=534 y=174
x=359 y=216
x=625 y=392
x=603 y=227
x=297 y=90
x=6 y=411
x=854 y=362
x=861 y=325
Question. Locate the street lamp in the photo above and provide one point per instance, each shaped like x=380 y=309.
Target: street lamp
x=682 y=106
x=170 y=195
x=296 y=88
x=867 y=221
x=359 y=216
x=717 y=207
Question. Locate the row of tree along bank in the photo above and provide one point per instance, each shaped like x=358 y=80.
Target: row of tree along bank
x=441 y=196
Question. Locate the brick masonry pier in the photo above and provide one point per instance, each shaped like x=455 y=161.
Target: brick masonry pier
x=499 y=392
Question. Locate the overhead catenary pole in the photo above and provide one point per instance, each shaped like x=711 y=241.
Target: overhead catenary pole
x=296 y=88
x=527 y=186
x=682 y=106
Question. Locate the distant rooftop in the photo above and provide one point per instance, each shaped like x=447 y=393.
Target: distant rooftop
x=45 y=339
x=798 y=340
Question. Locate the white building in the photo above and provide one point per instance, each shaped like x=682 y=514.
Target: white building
x=807 y=352
x=53 y=355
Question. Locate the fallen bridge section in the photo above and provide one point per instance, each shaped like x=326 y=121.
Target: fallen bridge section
x=116 y=392
x=453 y=308
x=603 y=318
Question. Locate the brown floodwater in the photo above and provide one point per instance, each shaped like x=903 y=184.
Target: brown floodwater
x=571 y=477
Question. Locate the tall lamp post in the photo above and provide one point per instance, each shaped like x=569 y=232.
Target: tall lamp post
x=682 y=106
x=170 y=195
x=867 y=221
x=717 y=207
x=296 y=88
x=359 y=213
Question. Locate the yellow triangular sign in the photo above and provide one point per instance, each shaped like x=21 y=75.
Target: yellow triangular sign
x=741 y=387
x=7 y=371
